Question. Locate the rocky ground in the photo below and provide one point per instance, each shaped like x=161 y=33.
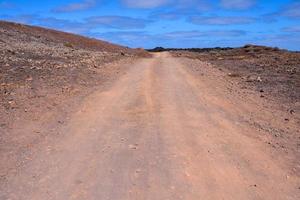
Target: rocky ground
x=37 y=63
x=44 y=71
x=273 y=72
x=257 y=72
x=166 y=128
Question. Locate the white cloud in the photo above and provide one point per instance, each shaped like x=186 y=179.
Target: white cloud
x=195 y=4
x=199 y=34
x=145 y=3
x=118 y=22
x=292 y=29
x=180 y=4
x=7 y=5
x=292 y=11
x=237 y=4
x=84 y=5
x=217 y=20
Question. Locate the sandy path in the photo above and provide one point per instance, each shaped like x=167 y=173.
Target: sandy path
x=154 y=134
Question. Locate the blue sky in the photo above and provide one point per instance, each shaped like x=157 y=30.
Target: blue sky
x=168 y=23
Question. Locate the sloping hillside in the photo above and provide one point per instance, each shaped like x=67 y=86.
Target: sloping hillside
x=13 y=32
x=42 y=69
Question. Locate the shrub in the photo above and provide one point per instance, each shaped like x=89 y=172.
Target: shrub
x=68 y=44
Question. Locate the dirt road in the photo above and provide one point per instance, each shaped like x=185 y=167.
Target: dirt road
x=156 y=133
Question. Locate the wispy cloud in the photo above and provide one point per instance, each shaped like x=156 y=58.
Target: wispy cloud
x=217 y=20
x=133 y=35
x=170 y=39
x=200 y=5
x=118 y=22
x=211 y=33
x=289 y=11
x=292 y=10
x=51 y=22
x=145 y=3
x=177 y=23
x=237 y=4
x=127 y=38
x=173 y=15
x=71 y=26
x=166 y=16
x=183 y=9
x=84 y=5
x=177 y=4
x=7 y=5
x=123 y=35
x=81 y=27
x=291 y=29
x=25 y=18
x=283 y=40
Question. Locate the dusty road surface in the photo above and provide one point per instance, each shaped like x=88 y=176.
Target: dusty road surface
x=156 y=133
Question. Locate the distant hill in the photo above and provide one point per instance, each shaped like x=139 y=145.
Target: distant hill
x=161 y=49
x=248 y=46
